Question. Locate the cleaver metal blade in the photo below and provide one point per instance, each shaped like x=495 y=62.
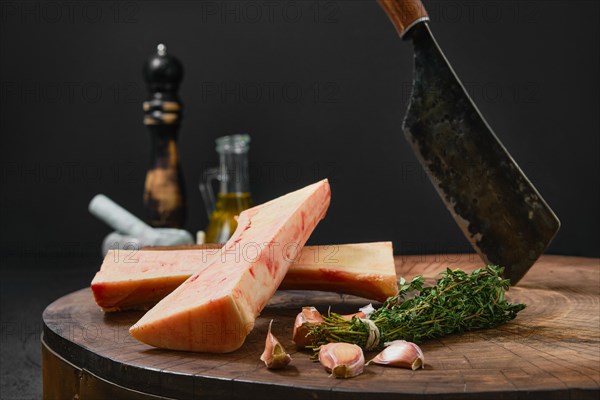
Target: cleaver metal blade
x=497 y=208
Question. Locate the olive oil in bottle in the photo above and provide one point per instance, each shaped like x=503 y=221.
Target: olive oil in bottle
x=234 y=188
x=222 y=221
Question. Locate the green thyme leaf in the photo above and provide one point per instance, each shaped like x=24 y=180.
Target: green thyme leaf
x=459 y=302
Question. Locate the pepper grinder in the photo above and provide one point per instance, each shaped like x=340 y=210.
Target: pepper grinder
x=164 y=192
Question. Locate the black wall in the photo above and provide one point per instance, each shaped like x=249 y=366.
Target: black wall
x=321 y=87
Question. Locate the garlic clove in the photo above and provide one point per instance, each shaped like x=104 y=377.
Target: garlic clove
x=308 y=317
x=274 y=356
x=367 y=310
x=363 y=312
x=342 y=360
x=401 y=353
x=348 y=317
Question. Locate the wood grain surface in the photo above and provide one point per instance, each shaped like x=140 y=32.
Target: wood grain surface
x=550 y=351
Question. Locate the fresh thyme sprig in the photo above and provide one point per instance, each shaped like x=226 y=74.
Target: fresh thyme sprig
x=459 y=302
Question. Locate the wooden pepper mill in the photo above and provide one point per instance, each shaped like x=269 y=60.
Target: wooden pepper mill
x=164 y=192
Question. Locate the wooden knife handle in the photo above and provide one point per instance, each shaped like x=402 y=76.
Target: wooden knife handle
x=404 y=13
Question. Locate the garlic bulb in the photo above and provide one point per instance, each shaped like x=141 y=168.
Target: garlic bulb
x=274 y=356
x=400 y=353
x=309 y=316
x=342 y=360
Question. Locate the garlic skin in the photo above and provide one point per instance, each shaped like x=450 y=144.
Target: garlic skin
x=308 y=317
x=274 y=356
x=367 y=310
x=342 y=360
x=401 y=353
x=348 y=317
x=363 y=312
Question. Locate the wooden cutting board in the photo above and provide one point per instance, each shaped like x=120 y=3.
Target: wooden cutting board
x=550 y=351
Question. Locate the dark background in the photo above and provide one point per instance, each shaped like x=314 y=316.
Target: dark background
x=321 y=87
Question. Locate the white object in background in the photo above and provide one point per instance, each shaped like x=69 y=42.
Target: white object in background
x=200 y=237
x=132 y=233
x=167 y=237
x=119 y=218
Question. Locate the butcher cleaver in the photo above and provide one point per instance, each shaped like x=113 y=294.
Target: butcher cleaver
x=496 y=206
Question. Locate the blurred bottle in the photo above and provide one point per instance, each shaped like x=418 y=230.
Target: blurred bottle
x=234 y=187
x=164 y=193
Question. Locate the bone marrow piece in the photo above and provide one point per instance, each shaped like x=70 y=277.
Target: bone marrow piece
x=360 y=269
x=215 y=308
x=139 y=279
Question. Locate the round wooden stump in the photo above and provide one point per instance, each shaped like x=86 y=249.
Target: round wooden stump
x=550 y=351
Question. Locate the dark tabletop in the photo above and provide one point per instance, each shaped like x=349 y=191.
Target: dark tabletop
x=28 y=284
